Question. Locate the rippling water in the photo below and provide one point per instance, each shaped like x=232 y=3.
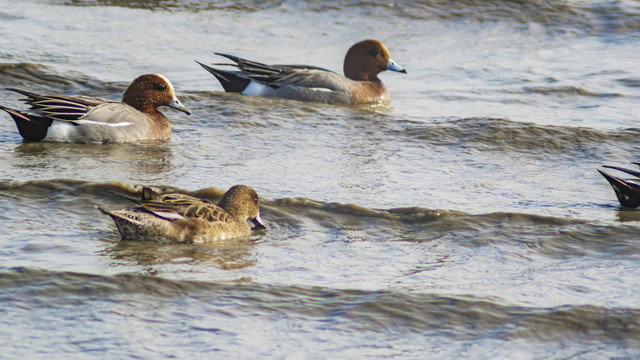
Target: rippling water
x=465 y=220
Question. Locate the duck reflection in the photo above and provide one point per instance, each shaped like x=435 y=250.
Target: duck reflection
x=226 y=255
x=627 y=215
x=145 y=157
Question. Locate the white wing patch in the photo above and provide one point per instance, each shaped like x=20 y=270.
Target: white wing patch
x=321 y=89
x=64 y=131
x=259 y=89
x=91 y=122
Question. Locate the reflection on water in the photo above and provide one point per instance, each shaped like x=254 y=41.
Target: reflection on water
x=628 y=215
x=508 y=107
x=148 y=158
x=226 y=255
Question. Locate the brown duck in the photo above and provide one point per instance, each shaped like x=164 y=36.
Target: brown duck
x=179 y=218
x=359 y=85
x=85 y=119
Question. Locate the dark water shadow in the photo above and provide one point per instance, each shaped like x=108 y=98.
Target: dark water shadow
x=627 y=215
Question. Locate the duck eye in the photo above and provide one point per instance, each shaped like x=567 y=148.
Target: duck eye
x=374 y=52
x=159 y=87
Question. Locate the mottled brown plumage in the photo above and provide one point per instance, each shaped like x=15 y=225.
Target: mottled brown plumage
x=180 y=218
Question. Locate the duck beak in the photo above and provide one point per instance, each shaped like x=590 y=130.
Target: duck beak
x=257 y=221
x=391 y=65
x=176 y=104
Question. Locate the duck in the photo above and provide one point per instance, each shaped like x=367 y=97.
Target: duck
x=627 y=191
x=359 y=85
x=85 y=119
x=175 y=218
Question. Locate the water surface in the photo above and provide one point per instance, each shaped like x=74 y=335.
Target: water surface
x=465 y=220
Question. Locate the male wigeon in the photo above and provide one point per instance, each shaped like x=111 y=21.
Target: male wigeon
x=84 y=119
x=360 y=85
x=179 y=218
x=627 y=191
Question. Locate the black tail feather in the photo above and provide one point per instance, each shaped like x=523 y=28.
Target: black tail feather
x=28 y=94
x=264 y=70
x=628 y=193
x=230 y=81
x=630 y=172
x=254 y=67
x=31 y=127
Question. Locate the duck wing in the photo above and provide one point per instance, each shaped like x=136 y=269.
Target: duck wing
x=60 y=107
x=293 y=75
x=174 y=206
x=259 y=70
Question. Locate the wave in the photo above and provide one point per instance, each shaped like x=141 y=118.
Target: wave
x=522 y=233
x=43 y=78
x=349 y=310
x=499 y=134
x=561 y=17
x=176 y=5
x=484 y=133
x=588 y=18
x=569 y=91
